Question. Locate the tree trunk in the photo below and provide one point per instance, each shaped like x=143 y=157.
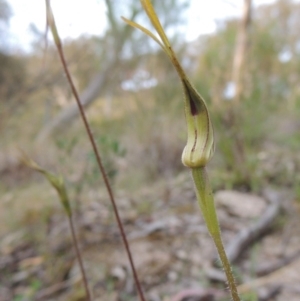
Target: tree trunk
x=94 y=89
x=240 y=50
x=234 y=114
x=119 y=35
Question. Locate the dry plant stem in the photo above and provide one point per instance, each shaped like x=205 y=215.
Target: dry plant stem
x=206 y=204
x=105 y=178
x=94 y=146
x=78 y=254
x=57 y=182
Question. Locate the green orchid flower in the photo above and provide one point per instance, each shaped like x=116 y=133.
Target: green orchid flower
x=200 y=141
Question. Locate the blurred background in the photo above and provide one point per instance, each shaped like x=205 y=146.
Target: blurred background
x=243 y=56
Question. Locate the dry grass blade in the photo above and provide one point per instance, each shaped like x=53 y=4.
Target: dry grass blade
x=58 y=184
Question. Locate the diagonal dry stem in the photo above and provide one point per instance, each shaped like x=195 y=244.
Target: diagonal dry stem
x=51 y=23
x=79 y=257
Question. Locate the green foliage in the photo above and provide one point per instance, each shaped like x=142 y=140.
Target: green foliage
x=251 y=296
x=215 y=61
x=111 y=150
x=35 y=285
x=12 y=76
x=12 y=71
x=270 y=76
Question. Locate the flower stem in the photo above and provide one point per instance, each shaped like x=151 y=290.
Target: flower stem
x=207 y=206
x=227 y=268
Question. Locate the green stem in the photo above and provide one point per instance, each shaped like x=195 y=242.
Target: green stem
x=227 y=268
x=206 y=202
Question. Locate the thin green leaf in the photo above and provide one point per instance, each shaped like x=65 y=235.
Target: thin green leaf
x=146 y=31
x=155 y=21
x=56 y=181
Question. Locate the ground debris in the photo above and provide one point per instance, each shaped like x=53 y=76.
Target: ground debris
x=172 y=250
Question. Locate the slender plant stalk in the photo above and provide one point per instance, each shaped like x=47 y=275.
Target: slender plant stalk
x=227 y=267
x=79 y=257
x=57 y=40
x=207 y=206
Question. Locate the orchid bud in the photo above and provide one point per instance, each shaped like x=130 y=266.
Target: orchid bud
x=200 y=142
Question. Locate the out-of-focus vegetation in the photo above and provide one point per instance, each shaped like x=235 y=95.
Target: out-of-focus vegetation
x=134 y=102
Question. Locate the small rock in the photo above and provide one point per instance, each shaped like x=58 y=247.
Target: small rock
x=181 y=254
x=11 y=241
x=240 y=204
x=118 y=272
x=172 y=276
